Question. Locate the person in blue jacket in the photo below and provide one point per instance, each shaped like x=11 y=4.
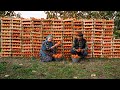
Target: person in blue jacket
x=48 y=49
x=79 y=46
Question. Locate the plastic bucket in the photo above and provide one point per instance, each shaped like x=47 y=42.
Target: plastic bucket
x=58 y=59
x=75 y=60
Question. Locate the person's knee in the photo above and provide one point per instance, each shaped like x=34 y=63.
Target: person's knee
x=72 y=51
x=85 y=53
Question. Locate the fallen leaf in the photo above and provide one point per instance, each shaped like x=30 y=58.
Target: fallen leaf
x=7 y=75
x=34 y=71
x=93 y=75
x=21 y=64
x=75 y=77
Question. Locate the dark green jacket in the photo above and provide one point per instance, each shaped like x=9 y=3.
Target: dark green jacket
x=79 y=44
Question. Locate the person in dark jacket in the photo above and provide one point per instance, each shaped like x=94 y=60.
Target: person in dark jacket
x=79 y=46
x=48 y=49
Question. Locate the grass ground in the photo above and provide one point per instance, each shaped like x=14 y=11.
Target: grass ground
x=25 y=68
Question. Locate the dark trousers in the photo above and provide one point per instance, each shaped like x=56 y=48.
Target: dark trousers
x=81 y=54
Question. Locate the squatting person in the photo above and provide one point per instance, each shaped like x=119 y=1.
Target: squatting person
x=79 y=46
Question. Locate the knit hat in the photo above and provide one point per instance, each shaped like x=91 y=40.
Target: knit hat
x=79 y=34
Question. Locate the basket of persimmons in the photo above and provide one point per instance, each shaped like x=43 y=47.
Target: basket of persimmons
x=75 y=58
x=58 y=57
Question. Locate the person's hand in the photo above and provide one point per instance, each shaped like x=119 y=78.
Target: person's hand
x=54 y=46
x=82 y=50
x=78 y=50
x=50 y=54
x=57 y=44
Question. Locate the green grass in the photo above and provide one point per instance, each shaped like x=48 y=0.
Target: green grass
x=25 y=68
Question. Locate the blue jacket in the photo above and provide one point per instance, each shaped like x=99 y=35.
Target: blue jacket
x=46 y=45
x=45 y=49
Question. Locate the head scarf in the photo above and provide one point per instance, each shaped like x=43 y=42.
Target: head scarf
x=49 y=36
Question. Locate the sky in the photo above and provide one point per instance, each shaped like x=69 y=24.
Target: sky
x=35 y=14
